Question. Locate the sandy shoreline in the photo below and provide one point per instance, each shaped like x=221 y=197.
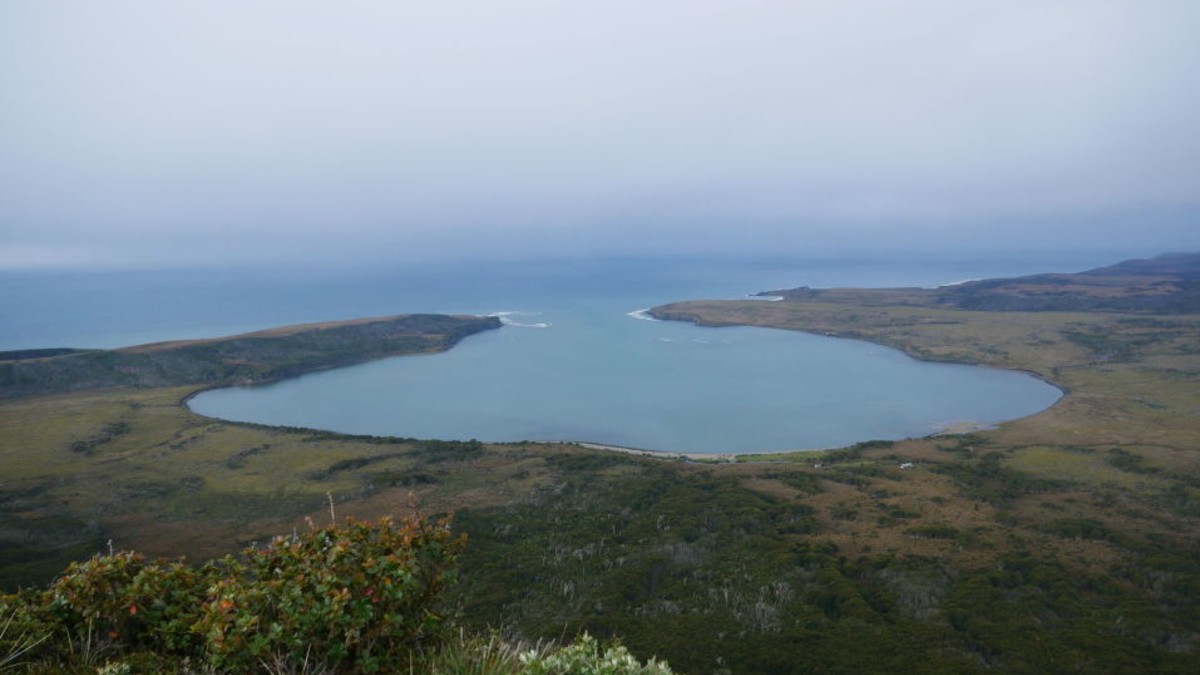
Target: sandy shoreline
x=663 y=454
x=693 y=456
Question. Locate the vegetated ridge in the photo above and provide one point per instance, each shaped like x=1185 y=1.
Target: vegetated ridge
x=1167 y=284
x=241 y=359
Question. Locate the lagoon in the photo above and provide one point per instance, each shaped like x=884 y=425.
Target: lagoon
x=577 y=361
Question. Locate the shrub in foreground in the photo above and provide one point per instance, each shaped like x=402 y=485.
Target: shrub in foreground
x=130 y=603
x=491 y=655
x=360 y=597
x=585 y=656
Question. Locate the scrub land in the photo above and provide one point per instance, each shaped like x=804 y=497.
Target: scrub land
x=1065 y=541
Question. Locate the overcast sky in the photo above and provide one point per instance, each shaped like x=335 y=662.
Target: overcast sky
x=161 y=133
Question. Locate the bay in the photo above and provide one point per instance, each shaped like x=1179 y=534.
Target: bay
x=574 y=363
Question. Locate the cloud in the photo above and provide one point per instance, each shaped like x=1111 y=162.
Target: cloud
x=286 y=130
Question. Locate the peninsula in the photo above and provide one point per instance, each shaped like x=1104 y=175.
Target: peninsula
x=250 y=358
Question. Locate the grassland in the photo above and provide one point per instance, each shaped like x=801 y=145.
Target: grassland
x=1062 y=542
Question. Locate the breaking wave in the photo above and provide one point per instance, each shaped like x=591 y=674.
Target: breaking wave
x=507 y=319
x=643 y=314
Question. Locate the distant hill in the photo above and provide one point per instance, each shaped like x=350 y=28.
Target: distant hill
x=1185 y=265
x=1166 y=284
x=240 y=359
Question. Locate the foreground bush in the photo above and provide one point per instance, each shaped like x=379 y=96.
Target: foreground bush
x=490 y=655
x=584 y=656
x=124 y=602
x=358 y=598
x=361 y=597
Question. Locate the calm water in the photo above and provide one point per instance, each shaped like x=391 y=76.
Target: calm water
x=572 y=365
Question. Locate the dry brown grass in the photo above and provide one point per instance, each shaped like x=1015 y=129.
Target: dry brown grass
x=1133 y=386
x=177 y=483
x=1151 y=395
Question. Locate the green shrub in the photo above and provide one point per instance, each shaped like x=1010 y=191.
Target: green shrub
x=360 y=596
x=20 y=632
x=167 y=599
x=933 y=532
x=585 y=657
x=1078 y=528
x=132 y=602
x=95 y=595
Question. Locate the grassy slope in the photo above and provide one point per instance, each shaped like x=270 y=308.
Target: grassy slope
x=1064 y=541
x=1104 y=485
x=1167 y=284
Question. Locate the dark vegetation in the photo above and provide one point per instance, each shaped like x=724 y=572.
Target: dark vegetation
x=257 y=357
x=354 y=598
x=359 y=597
x=690 y=565
x=22 y=354
x=1168 y=284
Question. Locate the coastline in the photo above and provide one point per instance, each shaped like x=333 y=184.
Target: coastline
x=960 y=426
x=907 y=348
x=659 y=454
x=259 y=357
x=276 y=332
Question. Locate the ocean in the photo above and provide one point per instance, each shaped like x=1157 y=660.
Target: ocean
x=576 y=360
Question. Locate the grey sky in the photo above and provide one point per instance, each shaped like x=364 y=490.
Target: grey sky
x=150 y=132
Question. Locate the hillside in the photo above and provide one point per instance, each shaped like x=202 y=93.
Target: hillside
x=1062 y=542
x=1167 y=284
